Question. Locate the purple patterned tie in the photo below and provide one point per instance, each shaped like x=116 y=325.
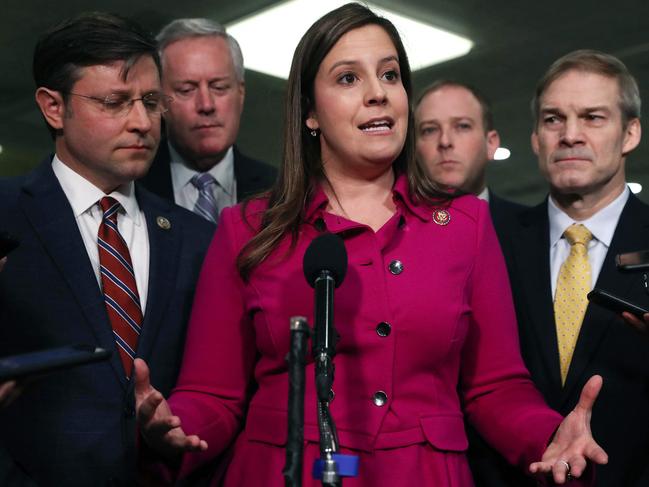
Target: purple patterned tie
x=118 y=282
x=206 y=204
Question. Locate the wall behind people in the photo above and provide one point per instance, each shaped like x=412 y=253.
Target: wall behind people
x=512 y=48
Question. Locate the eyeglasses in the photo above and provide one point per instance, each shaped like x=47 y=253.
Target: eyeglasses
x=116 y=105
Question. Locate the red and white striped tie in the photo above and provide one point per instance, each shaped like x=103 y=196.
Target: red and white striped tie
x=118 y=282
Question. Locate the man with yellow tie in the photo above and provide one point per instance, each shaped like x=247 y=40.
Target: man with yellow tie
x=586 y=121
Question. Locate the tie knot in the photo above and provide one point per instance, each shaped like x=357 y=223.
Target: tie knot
x=203 y=180
x=109 y=206
x=577 y=233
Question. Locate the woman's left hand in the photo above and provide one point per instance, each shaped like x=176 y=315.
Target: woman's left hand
x=573 y=443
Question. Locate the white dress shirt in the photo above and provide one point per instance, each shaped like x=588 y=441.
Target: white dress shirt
x=186 y=194
x=602 y=225
x=484 y=194
x=84 y=198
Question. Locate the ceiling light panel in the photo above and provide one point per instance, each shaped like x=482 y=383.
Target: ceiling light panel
x=269 y=38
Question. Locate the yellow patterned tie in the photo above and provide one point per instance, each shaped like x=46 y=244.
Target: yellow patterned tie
x=570 y=300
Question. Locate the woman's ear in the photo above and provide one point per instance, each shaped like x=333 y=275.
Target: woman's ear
x=312 y=123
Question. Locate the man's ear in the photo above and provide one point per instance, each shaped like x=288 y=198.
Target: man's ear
x=52 y=106
x=493 y=142
x=242 y=95
x=534 y=139
x=632 y=135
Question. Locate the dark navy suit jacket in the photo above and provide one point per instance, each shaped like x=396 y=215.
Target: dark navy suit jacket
x=251 y=176
x=503 y=214
x=606 y=345
x=77 y=427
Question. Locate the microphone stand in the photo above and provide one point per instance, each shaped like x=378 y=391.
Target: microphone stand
x=332 y=466
x=325 y=264
x=295 y=439
x=324 y=349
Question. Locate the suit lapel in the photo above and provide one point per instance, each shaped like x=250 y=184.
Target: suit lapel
x=631 y=234
x=50 y=214
x=164 y=244
x=242 y=174
x=247 y=177
x=530 y=252
x=158 y=178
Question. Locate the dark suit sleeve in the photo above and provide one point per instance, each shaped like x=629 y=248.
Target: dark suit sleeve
x=11 y=475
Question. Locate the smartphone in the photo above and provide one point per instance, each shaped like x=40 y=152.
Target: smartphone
x=49 y=360
x=633 y=261
x=7 y=243
x=615 y=303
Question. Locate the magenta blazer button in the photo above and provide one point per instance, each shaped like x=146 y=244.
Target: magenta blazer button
x=380 y=398
x=396 y=267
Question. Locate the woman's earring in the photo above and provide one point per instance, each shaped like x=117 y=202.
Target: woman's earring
x=314 y=133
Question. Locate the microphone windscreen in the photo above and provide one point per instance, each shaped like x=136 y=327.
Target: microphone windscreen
x=325 y=253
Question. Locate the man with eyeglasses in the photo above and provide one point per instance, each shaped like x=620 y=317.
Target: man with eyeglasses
x=101 y=261
x=198 y=164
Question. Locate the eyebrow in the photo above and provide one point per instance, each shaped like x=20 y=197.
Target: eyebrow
x=122 y=92
x=345 y=62
x=597 y=108
x=211 y=80
x=453 y=119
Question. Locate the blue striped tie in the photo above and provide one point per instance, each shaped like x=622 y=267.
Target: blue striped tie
x=206 y=204
x=118 y=283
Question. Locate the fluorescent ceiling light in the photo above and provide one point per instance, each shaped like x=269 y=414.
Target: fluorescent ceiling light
x=269 y=37
x=635 y=187
x=502 y=153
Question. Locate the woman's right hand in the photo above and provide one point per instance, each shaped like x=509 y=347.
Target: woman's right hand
x=159 y=427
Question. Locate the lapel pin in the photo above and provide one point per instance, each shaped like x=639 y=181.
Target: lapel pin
x=163 y=222
x=441 y=217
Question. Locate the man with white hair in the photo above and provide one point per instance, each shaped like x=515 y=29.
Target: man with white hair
x=198 y=166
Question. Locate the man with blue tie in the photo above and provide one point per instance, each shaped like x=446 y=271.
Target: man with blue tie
x=198 y=164
x=101 y=261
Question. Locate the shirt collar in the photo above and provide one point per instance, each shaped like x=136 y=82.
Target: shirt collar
x=484 y=194
x=83 y=195
x=223 y=172
x=602 y=224
x=423 y=211
x=400 y=190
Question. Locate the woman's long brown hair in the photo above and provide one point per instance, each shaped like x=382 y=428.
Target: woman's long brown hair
x=301 y=169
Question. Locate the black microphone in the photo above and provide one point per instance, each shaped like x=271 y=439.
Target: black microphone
x=325 y=266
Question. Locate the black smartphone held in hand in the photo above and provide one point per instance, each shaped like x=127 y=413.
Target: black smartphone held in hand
x=615 y=303
x=7 y=243
x=49 y=360
x=633 y=261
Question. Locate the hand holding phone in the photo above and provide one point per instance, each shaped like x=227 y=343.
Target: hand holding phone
x=633 y=261
x=615 y=303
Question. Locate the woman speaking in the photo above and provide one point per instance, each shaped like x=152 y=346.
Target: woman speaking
x=426 y=322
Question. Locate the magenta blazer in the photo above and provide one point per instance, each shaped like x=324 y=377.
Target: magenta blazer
x=434 y=336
